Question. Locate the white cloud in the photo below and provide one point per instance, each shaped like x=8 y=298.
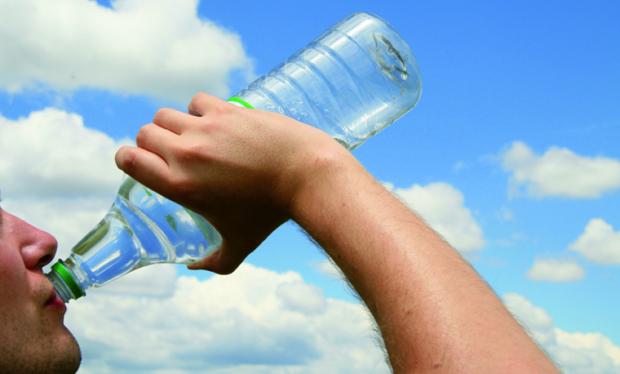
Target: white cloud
x=536 y=320
x=57 y=173
x=596 y=349
x=442 y=206
x=599 y=242
x=67 y=219
x=157 y=47
x=51 y=153
x=551 y=270
x=60 y=175
x=559 y=172
x=301 y=297
x=157 y=280
x=328 y=268
x=573 y=352
x=253 y=321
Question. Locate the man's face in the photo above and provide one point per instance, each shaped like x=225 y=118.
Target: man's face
x=33 y=338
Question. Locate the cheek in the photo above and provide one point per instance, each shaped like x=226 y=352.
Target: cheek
x=15 y=292
x=15 y=311
x=13 y=277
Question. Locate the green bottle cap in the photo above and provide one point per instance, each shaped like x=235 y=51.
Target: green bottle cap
x=239 y=100
x=68 y=278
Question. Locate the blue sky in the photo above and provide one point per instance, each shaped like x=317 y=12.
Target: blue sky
x=516 y=134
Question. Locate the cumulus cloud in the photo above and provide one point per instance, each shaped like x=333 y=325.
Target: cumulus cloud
x=329 y=268
x=559 y=172
x=573 y=352
x=65 y=218
x=599 y=243
x=301 y=297
x=551 y=270
x=51 y=153
x=157 y=280
x=442 y=206
x=158 y=47
x=57 y=173
x=253 y=321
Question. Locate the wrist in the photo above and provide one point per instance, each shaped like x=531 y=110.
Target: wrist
x=325 y=175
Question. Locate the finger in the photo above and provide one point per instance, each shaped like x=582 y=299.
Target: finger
x=173 y=120
x=156 y=140
x=144 y=166
x=223 y=261
x=202 y=103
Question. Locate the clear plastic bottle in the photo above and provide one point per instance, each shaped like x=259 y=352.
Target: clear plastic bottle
x=351 y=82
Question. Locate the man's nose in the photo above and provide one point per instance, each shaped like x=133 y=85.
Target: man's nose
x=39 y=249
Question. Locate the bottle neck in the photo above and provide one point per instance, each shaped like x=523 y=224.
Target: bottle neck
x=65 y=281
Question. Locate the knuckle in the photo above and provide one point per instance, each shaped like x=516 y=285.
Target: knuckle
x=161 y=114
x=222 y=107
x=205 y=122
x=200 y=96
x=143 y=134
x=209 y=124
x=203 y=102
x=193 y=155
x=197 y=102
x=194 y=152
x=127 y=161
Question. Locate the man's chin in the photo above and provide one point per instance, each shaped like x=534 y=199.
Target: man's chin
x=67 y=355
x=55 y=352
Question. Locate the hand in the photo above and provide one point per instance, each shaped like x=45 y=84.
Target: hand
x=239 y=168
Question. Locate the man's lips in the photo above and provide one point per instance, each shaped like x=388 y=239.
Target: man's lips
x=55 y=301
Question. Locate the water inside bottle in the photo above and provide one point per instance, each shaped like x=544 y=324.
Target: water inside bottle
x=351 y=83
x=142 y=228
x=392 y=62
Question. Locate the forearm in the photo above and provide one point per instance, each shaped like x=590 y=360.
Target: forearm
x=434 y=311
x=248 y=171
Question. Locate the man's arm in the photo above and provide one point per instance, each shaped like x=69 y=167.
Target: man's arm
x=433 y=310
x=249 y=171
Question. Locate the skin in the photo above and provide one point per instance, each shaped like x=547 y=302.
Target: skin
x=248 y=171
x=34 y=338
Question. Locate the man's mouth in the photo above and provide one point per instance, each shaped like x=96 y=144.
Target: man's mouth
x=54 y=301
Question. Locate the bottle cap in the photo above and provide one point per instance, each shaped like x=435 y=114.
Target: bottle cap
x=240 y=102
x=65 y=275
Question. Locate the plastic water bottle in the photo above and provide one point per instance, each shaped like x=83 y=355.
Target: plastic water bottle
x=351 y=82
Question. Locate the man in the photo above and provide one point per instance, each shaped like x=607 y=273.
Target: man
x=249 y=171
x=33 y=338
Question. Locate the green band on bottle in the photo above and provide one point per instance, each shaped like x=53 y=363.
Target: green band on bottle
x=65 y=274
x=239 y=100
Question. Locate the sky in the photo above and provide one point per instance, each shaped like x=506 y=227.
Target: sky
x=511 y=154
